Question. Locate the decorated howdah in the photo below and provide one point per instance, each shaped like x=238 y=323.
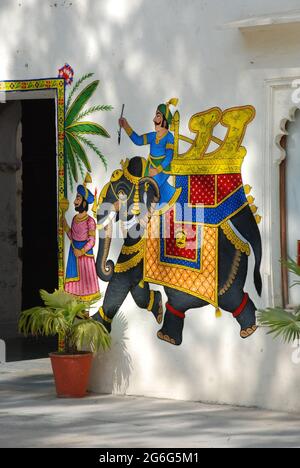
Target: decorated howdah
x=188 y=220
x=211 y=192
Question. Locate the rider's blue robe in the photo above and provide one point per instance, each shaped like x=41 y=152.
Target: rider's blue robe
x=160 y=157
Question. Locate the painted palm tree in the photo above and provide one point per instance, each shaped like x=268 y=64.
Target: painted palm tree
x=76 y=129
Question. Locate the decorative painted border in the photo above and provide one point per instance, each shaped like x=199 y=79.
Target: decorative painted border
x=184 y=262
x=57 y=84
x=202 y=284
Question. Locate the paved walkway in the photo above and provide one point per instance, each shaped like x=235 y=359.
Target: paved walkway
x=32 y=416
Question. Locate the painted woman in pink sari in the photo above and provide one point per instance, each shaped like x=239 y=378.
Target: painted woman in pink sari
x=81 y=277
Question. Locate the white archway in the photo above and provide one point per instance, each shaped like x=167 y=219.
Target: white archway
x=280 y=109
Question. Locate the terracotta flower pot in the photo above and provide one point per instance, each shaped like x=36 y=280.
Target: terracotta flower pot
x=71 y=373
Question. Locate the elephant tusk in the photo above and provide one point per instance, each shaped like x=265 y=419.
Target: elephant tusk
x=107 y=220
x=130 y=223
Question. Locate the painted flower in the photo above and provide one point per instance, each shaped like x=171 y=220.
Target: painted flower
x=67 y=73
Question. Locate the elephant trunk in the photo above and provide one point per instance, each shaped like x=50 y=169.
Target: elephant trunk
x=104 y=267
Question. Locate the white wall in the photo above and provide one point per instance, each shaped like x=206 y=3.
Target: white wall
x=145 y=52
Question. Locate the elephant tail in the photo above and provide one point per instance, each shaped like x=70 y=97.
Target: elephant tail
x=246 y=225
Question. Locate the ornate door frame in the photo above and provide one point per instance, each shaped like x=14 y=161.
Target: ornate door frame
x=50 y=87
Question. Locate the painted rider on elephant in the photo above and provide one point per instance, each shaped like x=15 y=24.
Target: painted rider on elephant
x=161 y=143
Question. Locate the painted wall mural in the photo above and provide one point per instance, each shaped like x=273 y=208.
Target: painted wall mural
x=190 y=233
x=71 y=136
x=76 y=128
x=189 y=222
x=80 y=276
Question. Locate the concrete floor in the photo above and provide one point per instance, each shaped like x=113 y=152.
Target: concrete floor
x=32 y=416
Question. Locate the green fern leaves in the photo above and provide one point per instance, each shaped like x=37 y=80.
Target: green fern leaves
x=283 y=323
x=65 y=315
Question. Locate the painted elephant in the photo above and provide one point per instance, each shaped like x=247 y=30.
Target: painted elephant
x=125 y=189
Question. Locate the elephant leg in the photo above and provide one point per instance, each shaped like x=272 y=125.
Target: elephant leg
x=232 y=297
x=148 y=299
x=115 y=295
x=172 y=328
x=242 y=308
x=178 y=303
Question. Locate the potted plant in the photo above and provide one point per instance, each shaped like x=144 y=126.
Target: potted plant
x=282 y=322
x=79 y=336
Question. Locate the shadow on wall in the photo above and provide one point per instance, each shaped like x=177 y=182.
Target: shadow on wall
x=115 y=365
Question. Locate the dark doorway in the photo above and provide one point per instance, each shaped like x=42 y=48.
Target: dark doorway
x=38 y=224
x=39 y=200
x=28 y=218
